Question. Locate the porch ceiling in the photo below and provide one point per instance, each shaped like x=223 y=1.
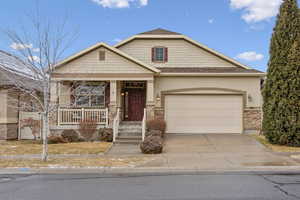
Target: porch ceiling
x=100 y=77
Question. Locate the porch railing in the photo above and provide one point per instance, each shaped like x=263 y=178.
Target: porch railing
x=116 y=125
x=144 y=125
x=73 y=116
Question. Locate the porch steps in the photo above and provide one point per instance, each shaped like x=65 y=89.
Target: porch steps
x=129 y=133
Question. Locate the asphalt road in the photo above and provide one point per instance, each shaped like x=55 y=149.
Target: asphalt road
x=163 y=187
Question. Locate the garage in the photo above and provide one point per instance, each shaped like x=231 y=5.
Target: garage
x=204 y=113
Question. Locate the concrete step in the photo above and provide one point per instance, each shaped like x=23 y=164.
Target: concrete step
x=125 y=133
x=130 y=123
x=130 y=130
x=129 y=138
x=127 y=142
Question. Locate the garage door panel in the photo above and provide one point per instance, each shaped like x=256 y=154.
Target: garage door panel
x=203 y=113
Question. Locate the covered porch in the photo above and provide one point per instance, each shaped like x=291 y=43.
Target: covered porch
x=102 y=100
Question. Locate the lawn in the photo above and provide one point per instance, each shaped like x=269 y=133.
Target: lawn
x=275 y=148
x=34 y=147
x=73 y=162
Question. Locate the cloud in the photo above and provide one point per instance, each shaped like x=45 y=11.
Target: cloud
x=211 y=21
x=117 y=40
x=250 y=56
x=119 y=3
x=256 y=10
x=33 y=58
x=19 y=46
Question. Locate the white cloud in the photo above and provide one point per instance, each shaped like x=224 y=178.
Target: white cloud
x=119 y=3
x=144 y=2
x=117 y=40
x=33 y=58
x=35 y=49
x=211 y=21
x=250 y=56
x=19 y=46
x=257 y=10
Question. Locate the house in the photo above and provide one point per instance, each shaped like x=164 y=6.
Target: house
x=158 y=74
x=13 y=99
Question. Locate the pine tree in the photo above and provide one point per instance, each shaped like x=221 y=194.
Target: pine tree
x=281 y=90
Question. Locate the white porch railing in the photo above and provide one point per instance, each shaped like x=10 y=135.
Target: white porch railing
x=116 y=125
x=73 y=116
x=144 y=125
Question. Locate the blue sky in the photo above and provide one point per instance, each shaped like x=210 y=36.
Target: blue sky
x=237 y=28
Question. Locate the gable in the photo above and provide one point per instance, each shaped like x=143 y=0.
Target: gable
x=181 y=53
x=89 y=62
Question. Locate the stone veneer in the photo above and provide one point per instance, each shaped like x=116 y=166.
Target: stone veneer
x=8 y=131
x=252 y=119
x=159 y=113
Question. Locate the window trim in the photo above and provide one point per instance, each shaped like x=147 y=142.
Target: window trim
x=165 y=54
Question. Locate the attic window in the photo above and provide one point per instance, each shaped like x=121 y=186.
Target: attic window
x=101 y=55
x=159 y=54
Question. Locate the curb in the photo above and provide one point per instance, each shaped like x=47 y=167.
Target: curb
x=291 y=170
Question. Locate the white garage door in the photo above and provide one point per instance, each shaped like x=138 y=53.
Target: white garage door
x=204 y=113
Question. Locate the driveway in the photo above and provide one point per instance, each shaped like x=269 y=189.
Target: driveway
x=217 y=151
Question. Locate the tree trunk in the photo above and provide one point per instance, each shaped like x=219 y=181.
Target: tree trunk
x=45 y=137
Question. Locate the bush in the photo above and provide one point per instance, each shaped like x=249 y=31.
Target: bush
x=56 y=140
x=70 y=135
x=154 y=133
x=152 y=145
x=157 y=124
x=106 y=134
x=87 y=129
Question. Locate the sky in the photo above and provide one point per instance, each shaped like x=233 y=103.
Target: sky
x=240 y=29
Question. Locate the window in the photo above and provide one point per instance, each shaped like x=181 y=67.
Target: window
x=101 y=55
x=90 y=94
x=159 y=54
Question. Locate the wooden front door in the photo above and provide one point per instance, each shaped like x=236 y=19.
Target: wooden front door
x=134 y=104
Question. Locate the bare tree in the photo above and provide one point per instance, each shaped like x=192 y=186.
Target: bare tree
x=38 y=49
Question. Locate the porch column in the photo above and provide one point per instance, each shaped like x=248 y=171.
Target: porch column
x=113 y=102
x=150 y=99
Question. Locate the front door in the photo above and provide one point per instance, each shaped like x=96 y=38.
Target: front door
x=134 y=103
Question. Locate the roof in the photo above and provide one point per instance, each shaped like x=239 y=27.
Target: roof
x=207 y=70
x=113 y=49
x=146 y=35
x=159 y=31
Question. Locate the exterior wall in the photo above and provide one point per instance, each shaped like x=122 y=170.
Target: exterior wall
x=251 y=85
x=252 y=119
x=90 y=63
x=3 y=106
x=180 y=53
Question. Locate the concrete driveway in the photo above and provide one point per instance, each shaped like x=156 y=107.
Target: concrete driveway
x=217 y=151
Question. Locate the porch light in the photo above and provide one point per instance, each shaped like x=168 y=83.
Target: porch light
x=157 y=97
x=122 y=94
x=249 y=98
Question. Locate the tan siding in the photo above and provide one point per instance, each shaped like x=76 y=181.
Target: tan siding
x=3 y=106
x=90 y=63
x=12 y=106
x=181 y=53
x=251 y=85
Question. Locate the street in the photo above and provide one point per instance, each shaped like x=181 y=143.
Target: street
x=150 y=187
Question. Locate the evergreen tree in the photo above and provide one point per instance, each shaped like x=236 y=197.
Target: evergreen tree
x=281 y=90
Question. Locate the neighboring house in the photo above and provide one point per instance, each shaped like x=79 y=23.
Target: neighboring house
x=194 y=88
x=12 y=99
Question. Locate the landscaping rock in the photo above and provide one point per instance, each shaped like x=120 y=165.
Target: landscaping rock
x=106 y=134
x=152 y=145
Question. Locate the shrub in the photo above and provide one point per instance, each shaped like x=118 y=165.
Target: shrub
x=70 y=135
x=56 y=140
x=87 y=128
x=152 y=145
x=154 y=133
x=106 y=134
x=157 y=124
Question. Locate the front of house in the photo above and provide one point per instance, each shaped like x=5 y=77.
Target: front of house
x=157 y=74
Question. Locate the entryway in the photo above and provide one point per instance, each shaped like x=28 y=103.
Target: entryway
x=133 y=100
